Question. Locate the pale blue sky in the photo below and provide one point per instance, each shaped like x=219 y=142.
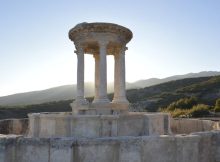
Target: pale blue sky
x=170 y=37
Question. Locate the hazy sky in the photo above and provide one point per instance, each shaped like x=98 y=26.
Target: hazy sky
x=170 y=37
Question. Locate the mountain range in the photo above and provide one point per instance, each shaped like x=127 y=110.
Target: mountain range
x=68 y=92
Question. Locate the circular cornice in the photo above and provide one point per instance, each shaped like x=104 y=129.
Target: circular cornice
x=98 y=27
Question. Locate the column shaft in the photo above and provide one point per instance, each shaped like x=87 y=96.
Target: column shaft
x=97 y=60
x=80 y=76
x=101 y=72
x=119 y=78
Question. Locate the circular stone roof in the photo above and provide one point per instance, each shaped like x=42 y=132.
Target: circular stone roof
x=100 y=28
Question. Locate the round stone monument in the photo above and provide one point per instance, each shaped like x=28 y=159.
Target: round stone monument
x=100 y=40
x=100 y=118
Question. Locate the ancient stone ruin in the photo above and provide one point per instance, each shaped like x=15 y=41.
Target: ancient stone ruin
x=100 y=40
x=104 y=130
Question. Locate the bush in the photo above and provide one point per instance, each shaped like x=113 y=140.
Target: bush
x=196 y=111
x=217 y=105
x=180 y=113
x=177 y=113
x=184 y=103
x=199 y=110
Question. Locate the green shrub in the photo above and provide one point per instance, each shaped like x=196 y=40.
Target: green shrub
x=199 y=110
x=181 y=113
x=184 y=103
x=217 y=105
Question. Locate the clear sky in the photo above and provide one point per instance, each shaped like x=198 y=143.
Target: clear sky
x=170 y=37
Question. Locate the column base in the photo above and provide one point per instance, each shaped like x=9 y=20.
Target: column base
x=100 y=100
x=78 y=104
x=120 y=100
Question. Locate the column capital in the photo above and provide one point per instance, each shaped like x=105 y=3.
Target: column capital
x=120 y=51
x=79 y=48
x=124 y=48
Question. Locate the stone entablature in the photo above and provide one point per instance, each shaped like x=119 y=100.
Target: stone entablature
x=87 y=28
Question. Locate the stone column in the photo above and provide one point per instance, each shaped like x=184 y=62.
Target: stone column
x=101 y=72
x=97 y=61
x=119 y=80
x=80 y=75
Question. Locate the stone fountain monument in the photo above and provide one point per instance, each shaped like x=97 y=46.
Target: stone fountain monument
x=100 y=40
x=101 y=118
x=104 y=131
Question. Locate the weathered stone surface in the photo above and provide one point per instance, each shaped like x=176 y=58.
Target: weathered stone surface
x=186 y=126
x=130 y=150
x=8 y=148
x=216 y=145
x=159 y=149
x=93 y=126
x=158 y=124
x=100 y=40
x=96 y=153
x=199 y=147
x=13 y=126
x=32 y=150
x=206 y=147
x=187 y=148
x=61 y=150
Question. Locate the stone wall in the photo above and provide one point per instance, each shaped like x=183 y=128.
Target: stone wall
x=14 y=126
x=187 y=126
x=198 y=147
x=94 y=126
x=178 y=126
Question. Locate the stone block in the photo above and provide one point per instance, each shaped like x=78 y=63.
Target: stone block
x=32 y=150
x=187 y=126
x=95 y=150
x=156 y=124
x=130 y=150
x=83 y=126
x=47 y=127
x=63 y=126
x=130 y=125
x=187 y=148
x=109 y=126
x=216 y=145
x=206 y=149
x=159 y=149
x=61 y=150
x=8 y=148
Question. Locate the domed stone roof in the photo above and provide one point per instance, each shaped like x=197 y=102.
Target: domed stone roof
x=100 y=27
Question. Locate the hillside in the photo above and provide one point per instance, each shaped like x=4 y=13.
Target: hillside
x=206 y=89
x=67 y=92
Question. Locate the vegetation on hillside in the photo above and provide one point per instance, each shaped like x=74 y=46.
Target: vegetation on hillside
x=217 y=105
x=188 y=107
x=22 y=111
x=184 y=97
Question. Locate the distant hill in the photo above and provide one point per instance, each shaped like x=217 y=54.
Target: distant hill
x=205 y=89
x=155 y=81
x=67 y=92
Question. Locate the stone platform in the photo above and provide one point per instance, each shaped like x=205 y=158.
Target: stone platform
x=95 y=126
x=200 y=147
